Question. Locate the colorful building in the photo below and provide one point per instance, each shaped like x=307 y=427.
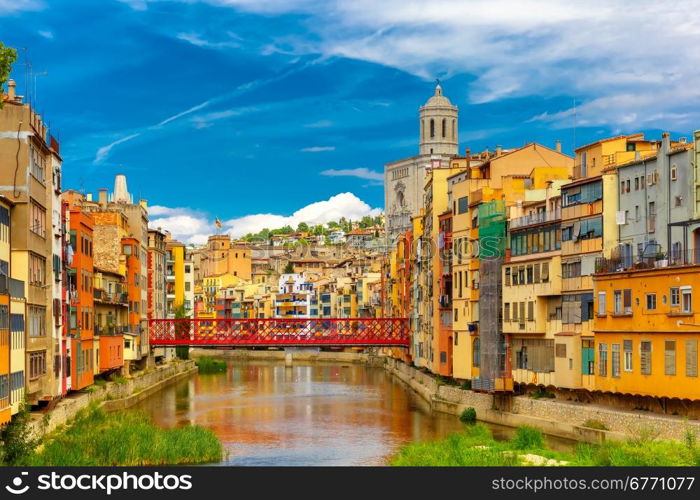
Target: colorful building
x=81 y=310
x=647 y=328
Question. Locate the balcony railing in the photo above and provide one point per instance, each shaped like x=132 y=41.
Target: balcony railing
x=109 y=330
x=109 y=297
x=620 y=263
x=536 y=218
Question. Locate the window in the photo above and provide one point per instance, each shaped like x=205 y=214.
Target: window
x=636 y=183
x=587 y=357
x=531 y=311
x=37 y=321
x=37 y=270
x=476 y=352
x=615 y=368
x=507 y=276
x=645 y=357
x=601 y=303
x=38 y=164
x=37 y=364
x=506 y=311
x=603 y=359
x=463 y=205
x=651 y=301
x=675 y=296
x=432 y=128
x=627 y=185
x=686 y=300
x=674 y=172
x=670 y=357
x=691 y=358
x=627 y=346
x=38 y=219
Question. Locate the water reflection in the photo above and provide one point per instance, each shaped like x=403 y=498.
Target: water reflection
x=315 y=414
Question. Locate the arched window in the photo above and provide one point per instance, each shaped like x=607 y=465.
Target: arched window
x=432 y=128
x=476 y=352
x=454 y=129
x=444 y=127
x=422 y=129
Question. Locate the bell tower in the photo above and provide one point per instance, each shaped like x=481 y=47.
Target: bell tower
x=438 y=125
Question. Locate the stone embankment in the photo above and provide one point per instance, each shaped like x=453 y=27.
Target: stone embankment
x=113 y=395
x=557 y=418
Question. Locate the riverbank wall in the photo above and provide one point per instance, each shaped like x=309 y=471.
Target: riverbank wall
x=558 y=418
x=112 y=396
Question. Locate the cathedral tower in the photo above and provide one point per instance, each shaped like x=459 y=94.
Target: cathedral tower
x=438 y=125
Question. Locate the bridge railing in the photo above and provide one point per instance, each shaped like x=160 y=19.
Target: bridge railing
x=280 y=331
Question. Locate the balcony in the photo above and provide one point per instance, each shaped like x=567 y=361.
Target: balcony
x=109 y=330
x=629 y=262
x=11 y=286
x=536 y=218
x=109 y=297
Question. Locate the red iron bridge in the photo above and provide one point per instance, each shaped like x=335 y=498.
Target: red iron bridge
x=315 y=332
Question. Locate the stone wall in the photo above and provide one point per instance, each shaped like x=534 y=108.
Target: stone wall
x=113 y=395
x=557 y=418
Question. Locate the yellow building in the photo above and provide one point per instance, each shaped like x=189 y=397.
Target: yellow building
x=647 y=328
x=532 y=301
x=506 y=177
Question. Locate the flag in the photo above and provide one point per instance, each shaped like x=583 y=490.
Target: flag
x=218 y=223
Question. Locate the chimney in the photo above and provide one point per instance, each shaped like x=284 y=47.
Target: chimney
x=666 y=142
x=102 y=196
x=143 y=203
x=11 y=85
x=558 y=146
x=499 y=151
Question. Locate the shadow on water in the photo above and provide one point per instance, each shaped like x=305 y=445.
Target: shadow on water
x=308 y=414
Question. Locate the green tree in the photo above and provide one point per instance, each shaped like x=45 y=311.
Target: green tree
x=303 y=227
x=333 y=225
x=17 y=440
x=289 y=268
x=8 y=56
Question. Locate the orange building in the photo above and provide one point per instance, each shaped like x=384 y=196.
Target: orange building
x=80 y=290
x=111 y=352
x=130 y=251
x=647 y=328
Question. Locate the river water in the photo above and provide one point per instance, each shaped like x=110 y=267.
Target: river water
x=309 y=414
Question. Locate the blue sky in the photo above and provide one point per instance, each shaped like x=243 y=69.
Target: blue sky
x=263 y=112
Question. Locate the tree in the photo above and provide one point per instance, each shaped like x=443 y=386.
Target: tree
x=17 y=440
x=8 y=56
x=289 y=268
x=303 y=227
x=333 y=225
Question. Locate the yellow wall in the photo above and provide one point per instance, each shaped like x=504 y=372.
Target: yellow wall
x=665 y=323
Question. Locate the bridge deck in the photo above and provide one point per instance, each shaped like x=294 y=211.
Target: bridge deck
x=278 y=331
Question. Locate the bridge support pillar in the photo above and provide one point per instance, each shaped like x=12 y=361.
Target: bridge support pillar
x=287 y=357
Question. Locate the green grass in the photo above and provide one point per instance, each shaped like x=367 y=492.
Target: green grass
x=208 y=364
x=98 y=438
x=477 y=447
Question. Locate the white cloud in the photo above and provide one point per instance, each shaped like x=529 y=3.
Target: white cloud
x=46 y=34
x=192 y=226
x=318 y=149
x=12 y=6
x=103 y=152
x=600 y=51
x=319 y=124
x=362 y=173
x=199 y=41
